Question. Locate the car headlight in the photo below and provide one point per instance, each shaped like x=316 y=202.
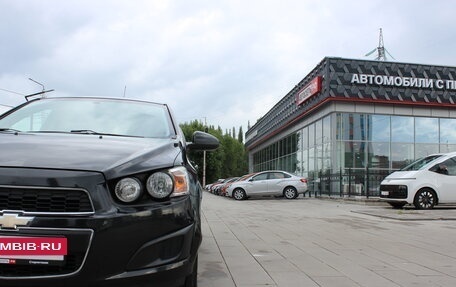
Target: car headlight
x=172 y=183
x=128 y=189
x=159 y=185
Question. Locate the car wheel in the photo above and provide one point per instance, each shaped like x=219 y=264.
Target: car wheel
x=397 y=205
x=425 y=199
x=290 y=192
x=239 y=194
x=192 y=279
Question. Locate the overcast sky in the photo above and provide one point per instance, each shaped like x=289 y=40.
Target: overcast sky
x=226 y=61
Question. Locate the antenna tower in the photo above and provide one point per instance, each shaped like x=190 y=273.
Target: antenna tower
x=381 y=50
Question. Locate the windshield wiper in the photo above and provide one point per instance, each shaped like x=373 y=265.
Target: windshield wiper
x=91 y=132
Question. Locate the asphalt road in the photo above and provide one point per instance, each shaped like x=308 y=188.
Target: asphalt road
x=315 y=242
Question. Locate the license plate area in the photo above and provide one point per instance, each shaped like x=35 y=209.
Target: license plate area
x=79 y=242
x=28 y=250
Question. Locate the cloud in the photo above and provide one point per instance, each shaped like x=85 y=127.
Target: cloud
x=226 y=61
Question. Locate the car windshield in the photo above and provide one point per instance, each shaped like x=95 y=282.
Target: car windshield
x=91 y=116
x=420 y=163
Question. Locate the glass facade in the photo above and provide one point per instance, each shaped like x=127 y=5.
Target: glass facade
x=355 y=149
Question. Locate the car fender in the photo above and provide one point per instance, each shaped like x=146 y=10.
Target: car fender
x=425 y=179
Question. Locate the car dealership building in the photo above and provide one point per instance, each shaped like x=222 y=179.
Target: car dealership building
x=349 y=123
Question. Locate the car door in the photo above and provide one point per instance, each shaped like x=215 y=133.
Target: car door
x=258 y=184
x=445 y=178
x=275 y=183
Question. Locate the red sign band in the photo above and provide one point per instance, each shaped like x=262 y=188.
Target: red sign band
x=312 y=88
x=10 y=246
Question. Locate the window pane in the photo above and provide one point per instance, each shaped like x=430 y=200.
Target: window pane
x=318 y=132
x=312 y=160
x=283 y=147
x=379 y=128
x=305 y=138
x=318 y=157
x=294 y=143
x=379 y=154
x=339 y=127
x=327 y=157
x=298 y=155
x=262 y=176
x=327 y=129
x=352 y=127
x=401 y=155
x=276 y=175
x=305 y=163
x=339 y=162
x=312 y=135
x=354 y=154
x=447 y=131
x=449 y=166
x=447 y=148
x=426 y=130
x=402 y=129
x=422 y=150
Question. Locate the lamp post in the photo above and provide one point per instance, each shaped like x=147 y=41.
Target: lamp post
x=204 y=156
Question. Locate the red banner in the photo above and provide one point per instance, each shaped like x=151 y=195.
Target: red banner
x=309 y=90
x=30 y=246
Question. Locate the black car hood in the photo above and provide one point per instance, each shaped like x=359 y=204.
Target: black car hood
x=113 y=156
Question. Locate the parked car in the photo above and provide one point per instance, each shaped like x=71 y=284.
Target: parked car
x=222 y=188
x=108 y=182
x=424 y=183
x=269 y=183
x=210 y=186
x=217 y=188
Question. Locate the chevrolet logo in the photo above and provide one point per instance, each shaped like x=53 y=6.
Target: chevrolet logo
x=12 y=220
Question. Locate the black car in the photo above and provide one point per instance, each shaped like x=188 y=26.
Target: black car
x=98 y=192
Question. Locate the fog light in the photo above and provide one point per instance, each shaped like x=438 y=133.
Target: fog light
x=128 y=189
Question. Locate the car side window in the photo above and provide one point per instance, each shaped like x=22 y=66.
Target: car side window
x=447 y=167
x=276 y=175
x=262 y=176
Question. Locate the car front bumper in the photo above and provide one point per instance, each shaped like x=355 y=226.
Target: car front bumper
x=111 y=246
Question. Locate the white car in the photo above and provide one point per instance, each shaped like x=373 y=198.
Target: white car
x=424 y=183
x=268 y=183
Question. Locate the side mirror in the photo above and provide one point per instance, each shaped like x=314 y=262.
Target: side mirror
x=203 y=141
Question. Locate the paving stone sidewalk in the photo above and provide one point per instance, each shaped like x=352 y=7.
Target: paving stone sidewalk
x=313 y=242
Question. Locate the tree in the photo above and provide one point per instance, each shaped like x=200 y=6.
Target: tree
x=229 y=160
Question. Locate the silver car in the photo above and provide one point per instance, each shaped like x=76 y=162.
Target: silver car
x=269 y=183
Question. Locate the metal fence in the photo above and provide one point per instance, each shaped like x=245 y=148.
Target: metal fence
x=347 y=183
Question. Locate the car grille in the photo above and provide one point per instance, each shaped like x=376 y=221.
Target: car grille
x=394 y=191
x=45 y=200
